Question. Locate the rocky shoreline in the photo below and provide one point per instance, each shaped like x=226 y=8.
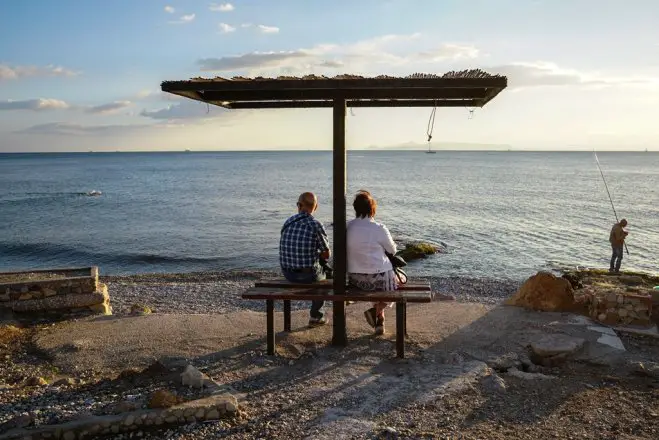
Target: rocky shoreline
x=219 y=292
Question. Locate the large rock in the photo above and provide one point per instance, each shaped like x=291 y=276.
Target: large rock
x=631 y=280
x=415 y=251
x=70 y=301
x=546 y=292
x=552 y=345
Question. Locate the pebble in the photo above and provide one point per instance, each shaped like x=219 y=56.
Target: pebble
x=204 y=291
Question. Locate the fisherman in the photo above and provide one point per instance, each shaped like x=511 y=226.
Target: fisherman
x=617 y=240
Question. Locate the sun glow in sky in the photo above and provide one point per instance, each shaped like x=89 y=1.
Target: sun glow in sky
x=78 y=75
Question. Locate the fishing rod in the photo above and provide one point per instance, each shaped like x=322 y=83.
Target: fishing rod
x=607 y=191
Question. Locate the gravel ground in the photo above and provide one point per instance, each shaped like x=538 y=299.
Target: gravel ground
x=219 y=292
x=355 y=392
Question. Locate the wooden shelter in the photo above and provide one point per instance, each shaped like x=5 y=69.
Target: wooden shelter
x=470 y=88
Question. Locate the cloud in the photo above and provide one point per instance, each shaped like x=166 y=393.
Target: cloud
x=184 y=110
x=268 y=29
x=545 y=74
x=226 y=28
x=105 y=109
x=448 y=51
x=249 y=60
x=8 y=72
x=154 y=96
x=40 y=104
x=223 y=7
x=169 y=9
x=184 y=19
x=389 y=50
x=332 y=64
x=67 y=129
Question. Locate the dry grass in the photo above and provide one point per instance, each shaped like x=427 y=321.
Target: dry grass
x=10 y=333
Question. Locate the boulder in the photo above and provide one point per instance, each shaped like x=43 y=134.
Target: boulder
x=647 y=369
x=554 y=345
x=415 y=251
x=36 y=381
x=631 y=280
x=193 y=377
x=18 y=422
x=493 y=383
x=545 y=292
x=514 y=372
x=505 y=362
x=140 y=309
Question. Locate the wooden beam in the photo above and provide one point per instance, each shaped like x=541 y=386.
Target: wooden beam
x=339 y=332
x=356 y=104
x=325 y=94
x=489 y=96
x=335 y=84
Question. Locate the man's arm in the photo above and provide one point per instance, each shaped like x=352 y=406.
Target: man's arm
x=323 y=241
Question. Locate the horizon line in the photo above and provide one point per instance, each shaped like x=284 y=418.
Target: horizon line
x=474 y=150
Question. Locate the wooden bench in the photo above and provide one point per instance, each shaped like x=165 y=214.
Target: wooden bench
x=285 y=291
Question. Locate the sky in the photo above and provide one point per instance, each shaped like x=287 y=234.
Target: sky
x=80 y=75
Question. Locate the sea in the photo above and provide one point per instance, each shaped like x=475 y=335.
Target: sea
x=502 y=215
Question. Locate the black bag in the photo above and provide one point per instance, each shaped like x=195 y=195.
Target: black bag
x=398 y=263
x=327 y=269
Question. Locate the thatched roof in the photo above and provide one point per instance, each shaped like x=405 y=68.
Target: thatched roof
x=469 y=88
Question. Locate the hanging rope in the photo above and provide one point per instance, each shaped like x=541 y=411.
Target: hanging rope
x=431 y=122
x=471 y=112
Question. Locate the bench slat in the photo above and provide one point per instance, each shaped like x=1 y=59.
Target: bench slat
x=310 y=294
x=328 y=284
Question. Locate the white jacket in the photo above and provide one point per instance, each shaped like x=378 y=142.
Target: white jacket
x=367 y=241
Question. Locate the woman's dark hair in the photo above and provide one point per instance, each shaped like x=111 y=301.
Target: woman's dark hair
x=364 y=204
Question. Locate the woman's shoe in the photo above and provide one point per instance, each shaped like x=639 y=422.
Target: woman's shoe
x=370 y=316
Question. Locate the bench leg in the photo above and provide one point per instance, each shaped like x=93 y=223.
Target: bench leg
x=405 y=319
x=287 y=315
x=401 y=311
x=270 y=323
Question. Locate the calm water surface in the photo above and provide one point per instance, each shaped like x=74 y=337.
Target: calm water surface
x=501 y=214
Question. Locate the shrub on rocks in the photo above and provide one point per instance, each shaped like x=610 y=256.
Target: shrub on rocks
x=9 y=333
x=140 y=309
x=163 y=399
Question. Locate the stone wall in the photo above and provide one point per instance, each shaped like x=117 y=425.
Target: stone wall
x=616 y=308
x=215 y=407
x=74 y=290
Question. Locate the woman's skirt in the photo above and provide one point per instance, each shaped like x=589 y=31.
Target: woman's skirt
x=384 y=281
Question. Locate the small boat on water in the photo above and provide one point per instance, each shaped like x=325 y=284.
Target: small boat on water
x=94 y=193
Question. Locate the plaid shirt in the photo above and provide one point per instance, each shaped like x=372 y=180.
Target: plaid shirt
x=303 y=238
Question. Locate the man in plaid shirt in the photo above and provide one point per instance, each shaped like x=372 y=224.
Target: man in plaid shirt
x=303 y=242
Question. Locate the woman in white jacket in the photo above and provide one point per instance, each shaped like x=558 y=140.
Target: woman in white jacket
x=369 y=267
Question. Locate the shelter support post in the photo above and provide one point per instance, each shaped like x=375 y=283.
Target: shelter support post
x=339 y=333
